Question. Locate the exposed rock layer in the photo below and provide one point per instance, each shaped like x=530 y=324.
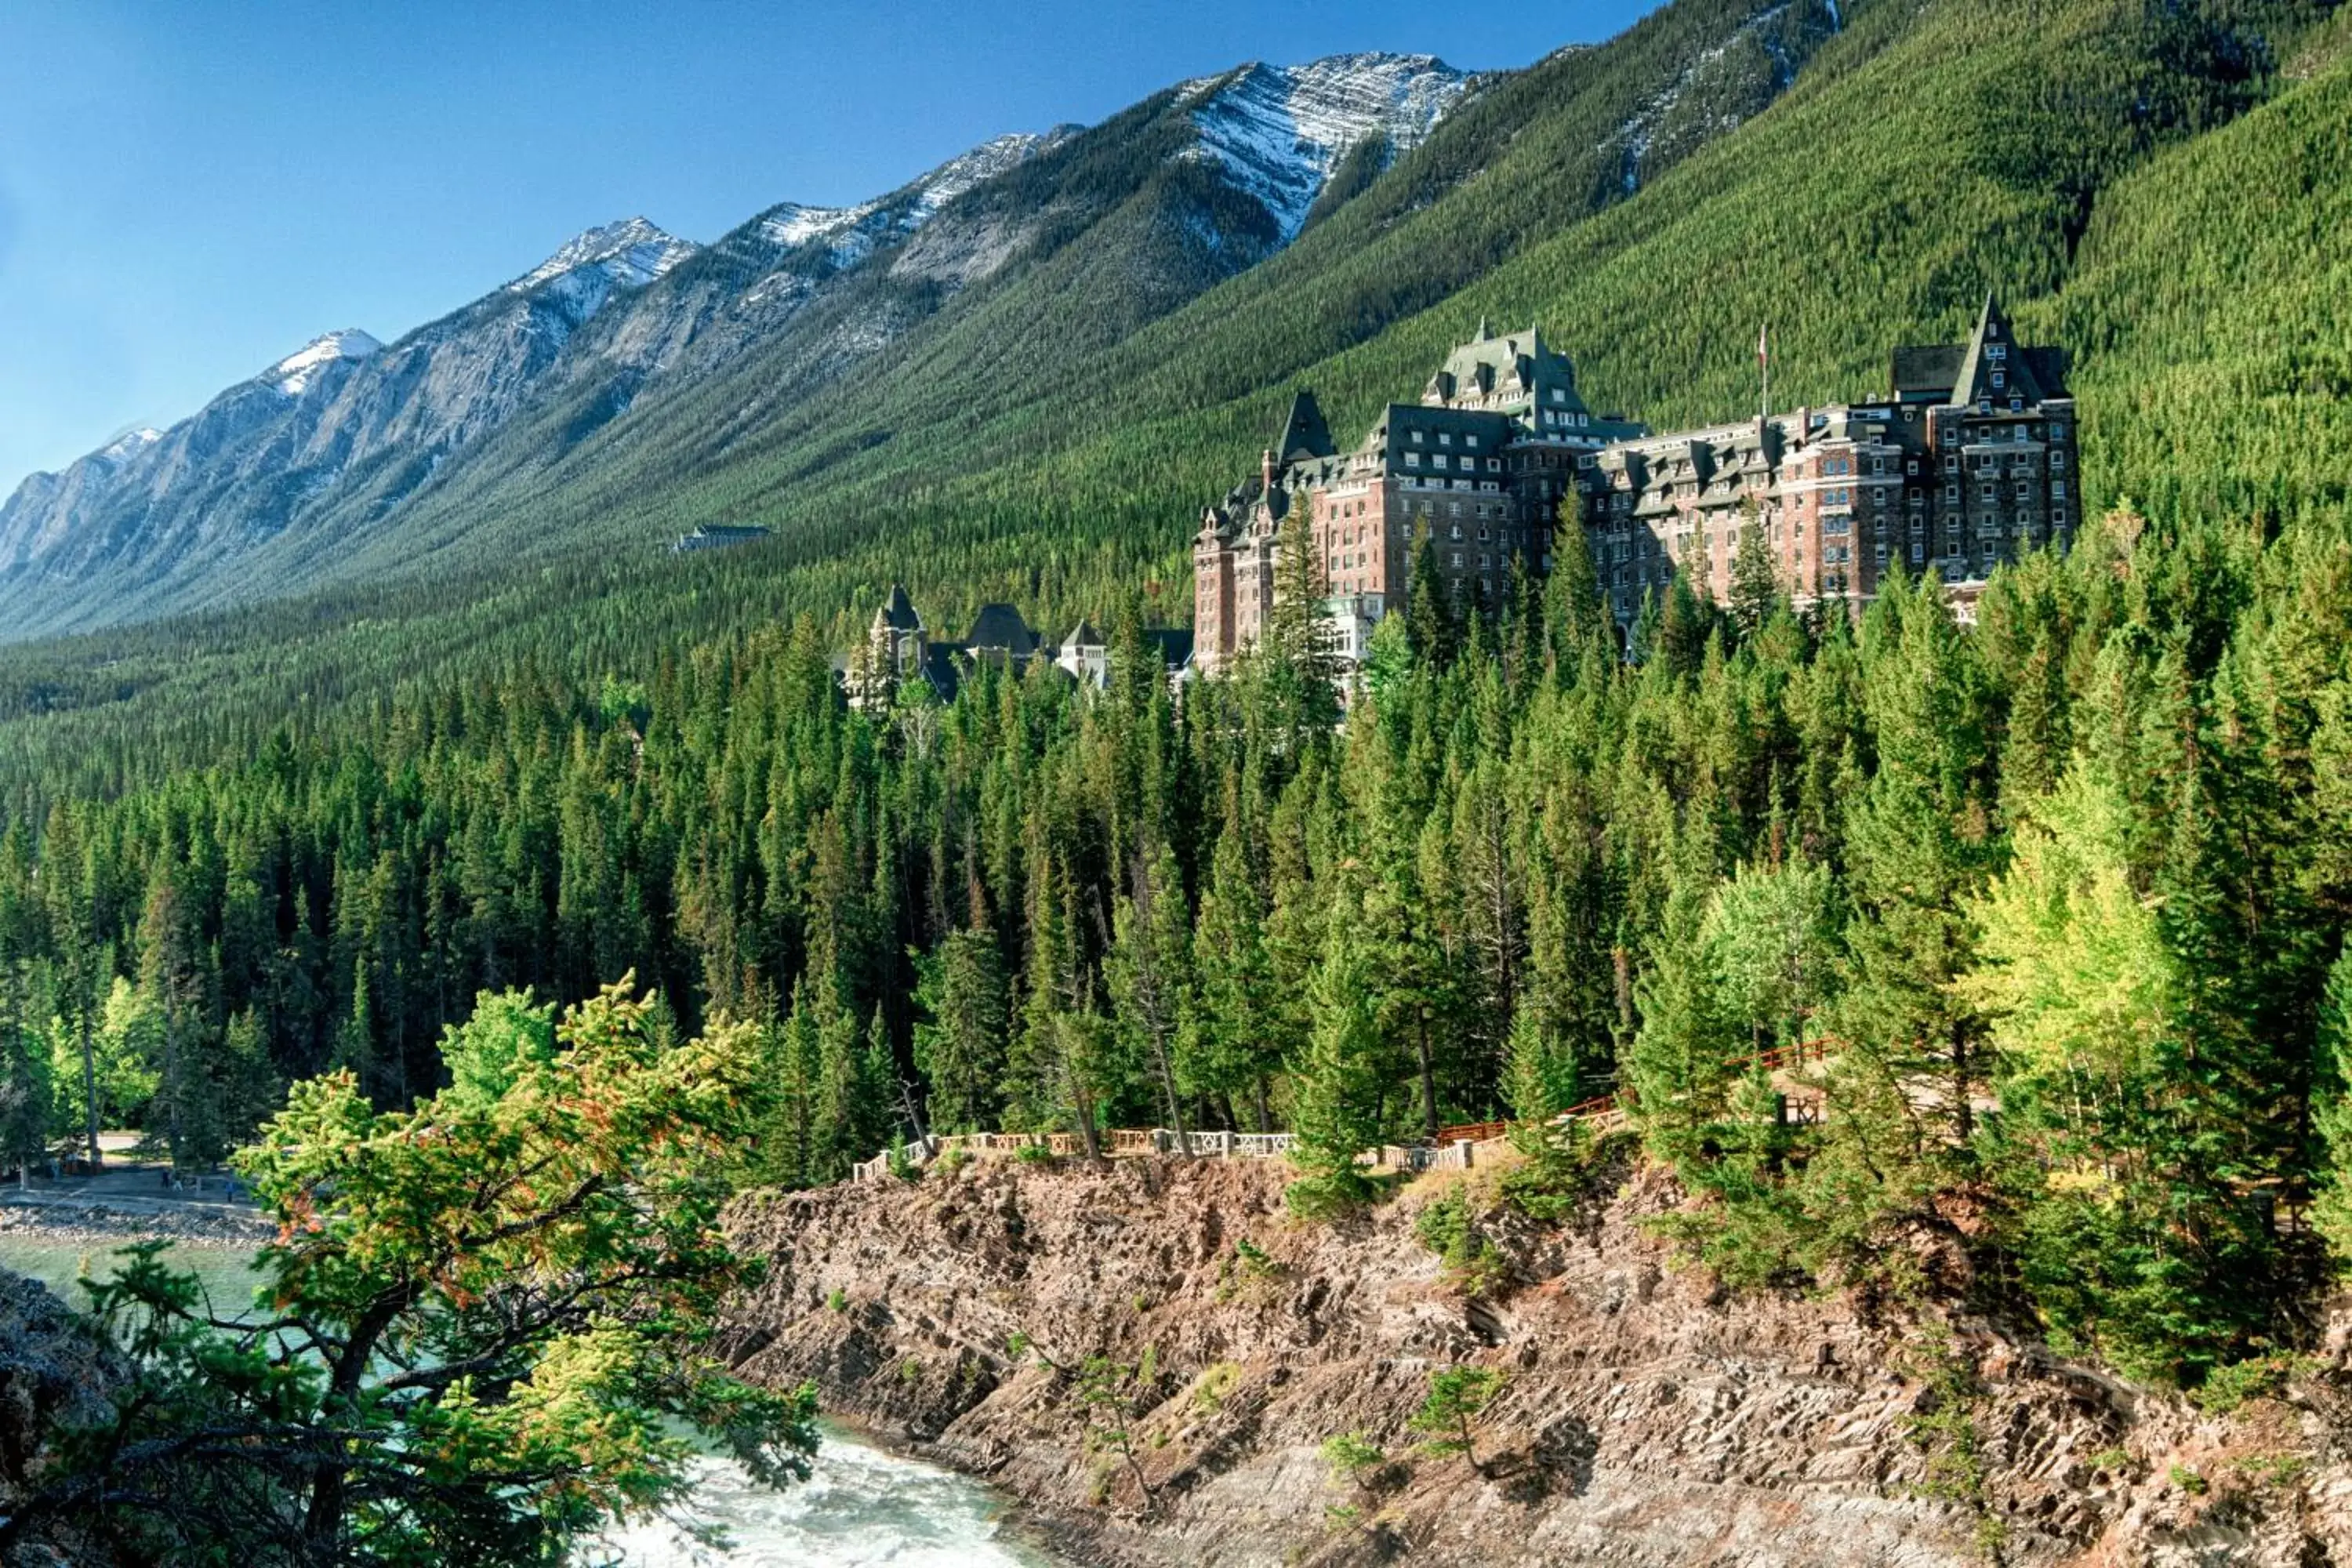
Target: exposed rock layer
x=53 y=1370
x=1650 y=1418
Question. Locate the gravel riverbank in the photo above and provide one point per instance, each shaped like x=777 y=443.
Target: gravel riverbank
x=121 y=1221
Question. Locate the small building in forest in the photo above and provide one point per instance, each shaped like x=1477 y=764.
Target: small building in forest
x=718 y=536
x=899 y=648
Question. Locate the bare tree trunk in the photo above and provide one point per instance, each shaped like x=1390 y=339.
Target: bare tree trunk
x=1168 y=1087
x=1428 y=1079
x=1963 y=1112
x=1153 y=1001
x=1084 y=1104
x=172 y=1077
x=90 y=1079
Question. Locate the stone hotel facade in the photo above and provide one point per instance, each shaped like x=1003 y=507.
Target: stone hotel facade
x=1968 y=460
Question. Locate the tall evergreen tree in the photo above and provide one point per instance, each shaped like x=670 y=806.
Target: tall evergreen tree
x=1335 y=1111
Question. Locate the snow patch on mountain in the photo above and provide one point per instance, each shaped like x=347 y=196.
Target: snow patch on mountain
x=293 y=375
x=856 y=231
x=128 y=444
x=631 y=254
x=985 y=162
x=1639 y=134
x=1281 y=130
x=791 y=224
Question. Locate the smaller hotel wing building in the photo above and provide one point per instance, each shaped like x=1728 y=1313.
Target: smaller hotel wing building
x=1967 y=462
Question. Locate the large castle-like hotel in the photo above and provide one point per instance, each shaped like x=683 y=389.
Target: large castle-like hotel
x=1968 y=460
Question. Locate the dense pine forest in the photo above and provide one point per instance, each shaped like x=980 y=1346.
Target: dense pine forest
x=1856 y=176
x=2070 y=888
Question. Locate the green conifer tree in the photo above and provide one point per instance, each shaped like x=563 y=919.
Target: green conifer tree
x=1335 y=1108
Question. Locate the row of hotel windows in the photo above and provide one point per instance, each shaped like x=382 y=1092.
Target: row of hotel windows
x=1441 y=460
x=1649 y=573
x=1832 y=467
x=1453 y=532
x=1645 y=545
x=1500 y=510
x=1879 y=497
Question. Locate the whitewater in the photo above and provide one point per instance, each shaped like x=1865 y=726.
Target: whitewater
x=861 y=1507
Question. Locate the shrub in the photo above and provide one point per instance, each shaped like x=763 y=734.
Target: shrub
x=1330 y=1194
x=1457 y=1396
x=1254 y=1260
x=1354 y=1460
x=1562 y=1167
x=2228 y=1387
x=1447 y=1227
x=1211 y=1389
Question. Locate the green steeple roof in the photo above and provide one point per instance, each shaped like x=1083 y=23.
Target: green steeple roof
x=1304 y=432
x=1994 y=367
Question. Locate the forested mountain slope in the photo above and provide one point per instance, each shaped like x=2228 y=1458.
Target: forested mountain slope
x=2086 y=866
x=338 y=483
x=2153 y=185
x=1080 y=342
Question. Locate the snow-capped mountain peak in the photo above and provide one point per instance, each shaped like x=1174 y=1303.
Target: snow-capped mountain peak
x=1281 y=130
x=293 y=375
x=856 y=230
x=985 y=162
x=632 y=253
x=129 y=444
x=790 y=223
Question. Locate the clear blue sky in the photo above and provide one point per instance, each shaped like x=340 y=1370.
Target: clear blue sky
x=190 y=191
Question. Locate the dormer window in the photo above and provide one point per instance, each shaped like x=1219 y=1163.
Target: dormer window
x=1999 y=380
x=1416 y=437
x=1559 y=394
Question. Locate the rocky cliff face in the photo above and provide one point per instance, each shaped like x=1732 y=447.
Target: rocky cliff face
x=1649 y=1417
x=52 y=1369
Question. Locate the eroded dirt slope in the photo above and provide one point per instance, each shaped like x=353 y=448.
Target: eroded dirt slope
x=1649 y=1418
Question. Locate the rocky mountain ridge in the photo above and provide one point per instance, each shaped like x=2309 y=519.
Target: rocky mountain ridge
x=1280 y=132
x=350 y=429
x=344 y=413
x=1649 y=1417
